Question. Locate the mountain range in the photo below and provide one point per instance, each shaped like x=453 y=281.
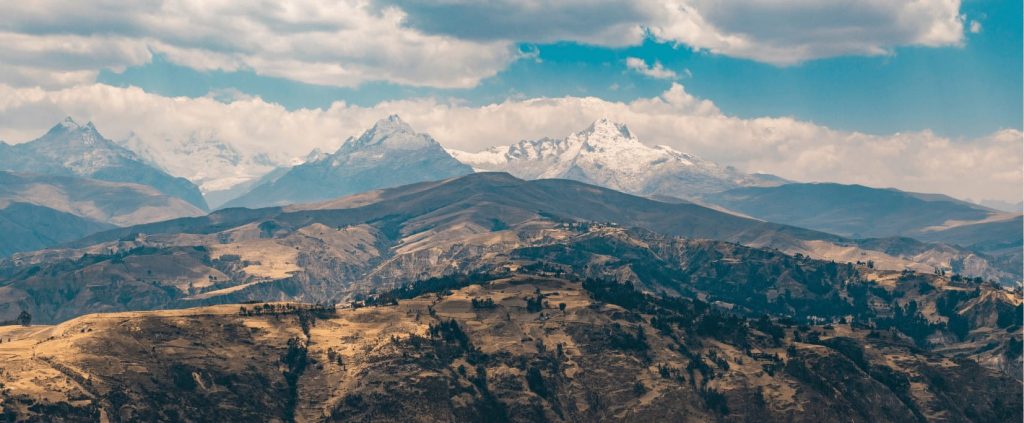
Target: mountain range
x=609 y=155
x=331 y=251
x=70 y=149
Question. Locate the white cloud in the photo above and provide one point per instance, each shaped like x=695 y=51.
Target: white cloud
x=340 y=43
x=450 y=43
x=772 y=31
x=985 y=167
x=789 y=32
x=656 y=70
x=975 y=27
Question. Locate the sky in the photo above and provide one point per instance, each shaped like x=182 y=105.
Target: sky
x=920 y=95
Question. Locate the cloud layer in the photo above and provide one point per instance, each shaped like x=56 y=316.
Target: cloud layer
x=986 y=167
x=447 y=43
x=772 y=31
x=340 y=43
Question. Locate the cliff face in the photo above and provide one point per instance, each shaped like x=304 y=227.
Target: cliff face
x=482 y=349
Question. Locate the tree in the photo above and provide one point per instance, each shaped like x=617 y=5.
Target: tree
x=24 y=318
x=561 y=306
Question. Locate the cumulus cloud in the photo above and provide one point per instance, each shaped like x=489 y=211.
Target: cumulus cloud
x=777 y=32
x=656 y=70
x=790 y=32
x=985 y=167
x=447 y=43
x=341 y=43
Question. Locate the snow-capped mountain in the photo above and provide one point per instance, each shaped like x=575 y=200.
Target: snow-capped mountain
x=387 y=155
x=204 y=159
x=607 y=154
x=70 y=149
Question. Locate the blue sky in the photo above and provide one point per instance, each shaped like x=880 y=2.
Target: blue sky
x=956 y=91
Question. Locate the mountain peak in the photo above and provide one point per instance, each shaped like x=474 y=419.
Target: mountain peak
x=314 y=155
x=66 y=125
x=390 y=132
x=69 y=122
x=390 y=125
x=608 y=128
x=70 y=125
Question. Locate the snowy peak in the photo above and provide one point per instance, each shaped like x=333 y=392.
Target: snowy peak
x=606 y=129
x=385 y=128
x=606 y=153
x=390 y=125
x=606 y=136
x=390 y=133
x=71 y=134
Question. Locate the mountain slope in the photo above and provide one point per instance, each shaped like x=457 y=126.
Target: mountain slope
x=850 y=210
x=115 y=203
x=41 y=211
x=607 y=154
x=859 y=211
x=388 y=155
x=70 y=149
x=28 y=227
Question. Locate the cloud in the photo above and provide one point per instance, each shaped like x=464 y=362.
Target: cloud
x=985 y=167
x=602 y=22
x=975 y=27
x=786 y=33
x=443 y=43
x=342 y=43
x=656 y=71
x=777 y=32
